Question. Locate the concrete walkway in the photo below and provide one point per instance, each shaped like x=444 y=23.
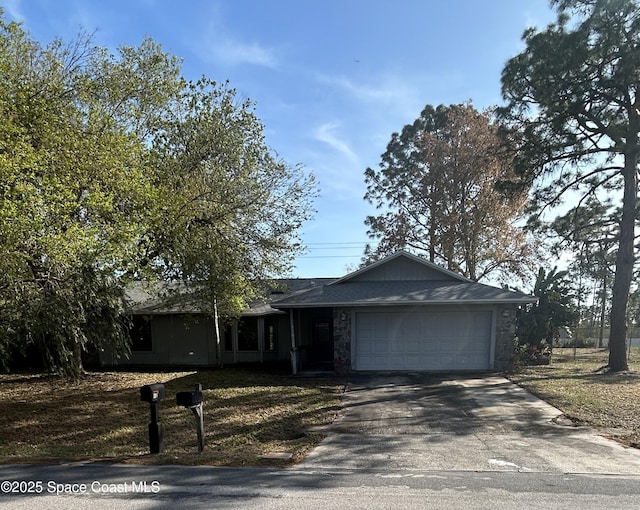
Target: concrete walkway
x=478 y=423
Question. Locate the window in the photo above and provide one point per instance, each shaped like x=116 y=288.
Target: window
x=248 y=334
x=140 y=333
x=321 y=331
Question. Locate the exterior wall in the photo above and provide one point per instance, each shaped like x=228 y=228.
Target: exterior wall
x=180 y=340
x=177 y=340
x=401 y=269
x=261 y=354
x=283 y=342
x=342 y=331
x=183 y=341
x=505 y=332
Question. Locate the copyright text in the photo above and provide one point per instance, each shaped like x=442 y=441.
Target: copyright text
x=95 y=487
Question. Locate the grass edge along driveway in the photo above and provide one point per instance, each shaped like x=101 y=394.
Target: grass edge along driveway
x=587 y=394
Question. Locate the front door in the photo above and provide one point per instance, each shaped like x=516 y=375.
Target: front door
x=322 y=343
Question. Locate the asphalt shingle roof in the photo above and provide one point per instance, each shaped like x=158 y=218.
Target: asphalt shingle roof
x=410 y=292
x=357 y=289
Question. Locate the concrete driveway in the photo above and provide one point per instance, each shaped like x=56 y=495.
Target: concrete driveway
x=480 y=423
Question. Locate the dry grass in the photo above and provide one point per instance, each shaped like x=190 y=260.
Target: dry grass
x=247 y=413
x=589 y=395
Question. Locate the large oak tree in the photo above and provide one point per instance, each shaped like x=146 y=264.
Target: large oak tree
x=574 y=106
x=74 y=190
x=114 y=167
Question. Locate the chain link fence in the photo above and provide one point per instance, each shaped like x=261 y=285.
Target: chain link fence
x=593 y=336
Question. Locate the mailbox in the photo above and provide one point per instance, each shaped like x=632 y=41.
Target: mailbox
x=152 y=393
x=193 y=401
x=189 y=398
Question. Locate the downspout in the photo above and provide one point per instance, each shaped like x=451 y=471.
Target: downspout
x=294 y=350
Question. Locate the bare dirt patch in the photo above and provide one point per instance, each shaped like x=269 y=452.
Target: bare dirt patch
x=247 y=414
x=580 y=386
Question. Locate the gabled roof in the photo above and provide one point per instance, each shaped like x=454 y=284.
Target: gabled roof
x=284 y=289
x=440 y=272
x=401 y=279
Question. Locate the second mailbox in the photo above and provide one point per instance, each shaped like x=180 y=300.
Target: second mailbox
x=189 y=398
x=152 y=393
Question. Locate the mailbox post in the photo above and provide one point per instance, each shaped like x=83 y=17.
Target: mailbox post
x=154 y=393
x=193 y=401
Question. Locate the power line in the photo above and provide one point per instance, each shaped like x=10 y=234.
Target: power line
x=329 y=256
x=336 y=246
x=346 y=243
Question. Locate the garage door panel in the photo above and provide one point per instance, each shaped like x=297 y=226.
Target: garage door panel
x=414 y=346
x=431 y=340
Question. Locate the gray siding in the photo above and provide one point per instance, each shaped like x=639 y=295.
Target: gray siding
x=182 y=341
x=401 y=269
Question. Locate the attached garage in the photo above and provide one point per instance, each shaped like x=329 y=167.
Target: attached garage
x=400 y=313
x=406 y=313
x=423 y=340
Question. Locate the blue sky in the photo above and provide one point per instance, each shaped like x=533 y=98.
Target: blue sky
x=331 y=79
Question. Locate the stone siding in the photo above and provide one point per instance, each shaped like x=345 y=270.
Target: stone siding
x=505 y=336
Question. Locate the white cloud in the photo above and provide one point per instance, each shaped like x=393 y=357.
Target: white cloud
x=327 y=133
x=233 y=52
x=392 y=93
x=219 y=46
x=362 y=92
x=13 y=9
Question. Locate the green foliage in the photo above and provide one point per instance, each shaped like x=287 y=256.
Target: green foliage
x=572 y=110
x=113 y=167
x=539 y=323
x=231 y=208
x=590 y=230
x=74 y=196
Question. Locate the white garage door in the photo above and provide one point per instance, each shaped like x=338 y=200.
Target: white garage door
x=434 y=340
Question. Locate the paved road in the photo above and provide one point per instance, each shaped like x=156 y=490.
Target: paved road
x=110 y=487
x=401 y=442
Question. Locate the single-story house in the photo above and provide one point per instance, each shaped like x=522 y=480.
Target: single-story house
x=400 y=313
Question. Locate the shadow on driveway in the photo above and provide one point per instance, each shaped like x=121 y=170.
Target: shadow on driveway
x=478 y=422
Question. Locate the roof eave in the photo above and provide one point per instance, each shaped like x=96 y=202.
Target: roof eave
x=454 y=302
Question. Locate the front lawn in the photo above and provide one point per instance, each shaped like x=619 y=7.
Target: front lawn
x=247 y=414
x=587 y=394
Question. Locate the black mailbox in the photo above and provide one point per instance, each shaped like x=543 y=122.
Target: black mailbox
x=152 y=393
x=189 y=398
x=193 y=400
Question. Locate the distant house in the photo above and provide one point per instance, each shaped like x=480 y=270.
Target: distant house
x=400 y=313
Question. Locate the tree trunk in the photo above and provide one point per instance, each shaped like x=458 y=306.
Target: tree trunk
x=216 y=327
x=624 y=268
x=603 y=307
x=432 y=227
x=78 y=369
